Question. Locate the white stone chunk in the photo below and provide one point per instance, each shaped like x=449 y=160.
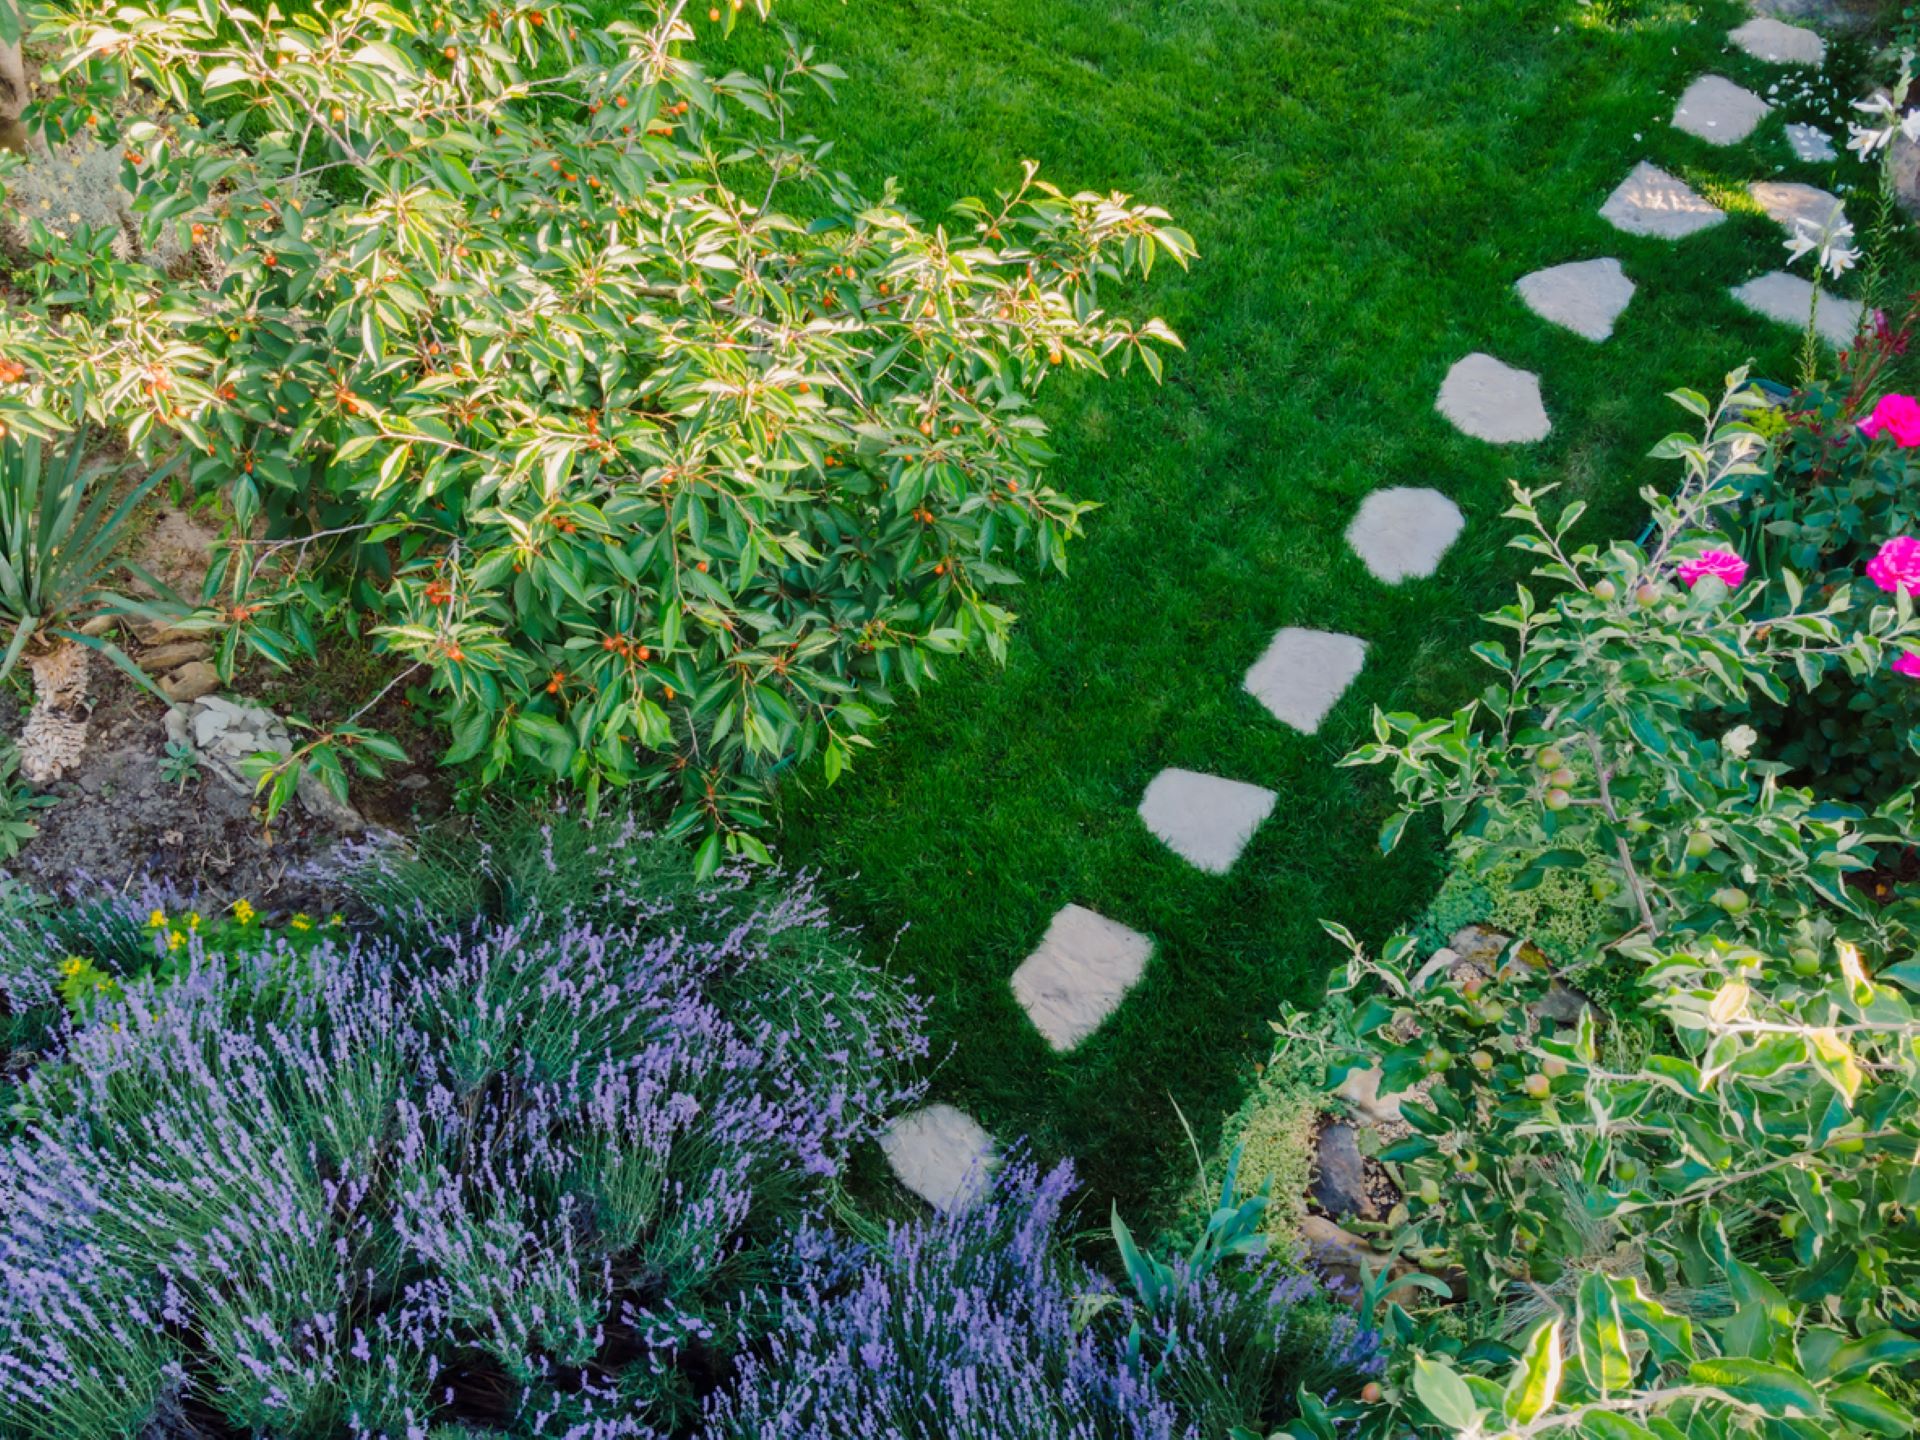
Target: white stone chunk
x=941 y=1154
x=1204 y=819
x=1788 y=299
x=1586 y=296
x=1794 y=206
x=1778 y=43
x=1811 y=144
x=1303 y=673
x=1494 y=402
x=1401 y=533
x=1652 y=202
x=1083 y=969
x=1719 y=111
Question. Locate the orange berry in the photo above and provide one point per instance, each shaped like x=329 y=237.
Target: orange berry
x=451 y=53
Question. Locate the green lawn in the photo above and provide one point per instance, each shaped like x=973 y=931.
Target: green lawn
x=1365 y=180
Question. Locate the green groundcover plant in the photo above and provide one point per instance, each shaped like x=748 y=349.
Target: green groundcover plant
x=1693 y=1216
x=570 y=375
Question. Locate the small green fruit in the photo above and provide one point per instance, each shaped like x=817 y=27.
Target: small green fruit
x=1550 y=758
x=1699 y=844
x=1732 y=899
x=1605 y=590
x=1537 y=1086
x=1646 y=596
x=1492 y=1013
x=1468 y=1162
x=1430 y=1191
x=1557 y=799
x=1563 y=777
x=1482 y=1061
x=1437 y=1059
x=1806 y=962
x=1553 y=1067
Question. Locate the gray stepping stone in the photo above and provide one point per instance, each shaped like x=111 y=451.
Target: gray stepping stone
x=1779 y=43
x=1081 y=972
x=1303 y=673
x=1401 y=532
x=1494 y=402
x=1719 y=111
x=1834 y=14
x=941 y=1154
x=1652 y=202
x=1811 y=144
x=1586 y=296
x=1204 y=819
x=1788 y=299
x=1794 y=206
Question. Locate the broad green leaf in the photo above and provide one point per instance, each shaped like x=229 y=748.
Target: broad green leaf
x=1536 y=1381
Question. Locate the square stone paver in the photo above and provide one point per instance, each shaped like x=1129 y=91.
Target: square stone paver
x=1078 y=976
x=1204 y=819
x=941 y=1154
x=1652 y=202
x=1494 y=402
x=1788 y=298
x=1719 y=111
x=1401 y=533
x=1811 y=144
x=1586 y=296
x=1792 y=205
x=1303 y=673
x=1779 y=43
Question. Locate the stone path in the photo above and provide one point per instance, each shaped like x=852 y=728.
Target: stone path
x=1086 y=963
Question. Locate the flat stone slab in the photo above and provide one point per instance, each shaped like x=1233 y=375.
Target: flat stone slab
x=1586 y=296
x=1652 y=202
x=1494 y=402
x=1811 y=144
x=1788 y=298
x=941 y=1154
x=1779 y=43
x=1794 y=206
x=1400 y=533
x=1719 y=111
x=1204 y=819
x=1078 y=976
x=1303 y=673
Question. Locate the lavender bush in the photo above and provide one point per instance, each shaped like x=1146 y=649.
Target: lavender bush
x=981 y=1326
x=513 y=1158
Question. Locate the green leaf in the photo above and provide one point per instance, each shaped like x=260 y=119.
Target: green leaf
x=1536 y=1381
x=1871 y=1408
x=1445 y=1394
x=1774 y=1389
x=1883 y=1347
x=1602 y=1338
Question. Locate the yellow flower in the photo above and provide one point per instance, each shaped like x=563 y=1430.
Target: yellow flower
x=243 y=912
x=72 y=965
x=336 y=920
x=157 y=920
x=193 y=921
x=175 y=939
x=301 y=921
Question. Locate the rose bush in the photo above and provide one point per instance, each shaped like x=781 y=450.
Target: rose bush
x=571 y=376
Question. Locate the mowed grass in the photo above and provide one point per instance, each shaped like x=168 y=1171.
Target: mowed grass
x=1366 y=179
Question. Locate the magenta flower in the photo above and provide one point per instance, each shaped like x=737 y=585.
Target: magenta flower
x=1897 y=566
x=1895 y=415
x=1907 y=663
x=1721 y=564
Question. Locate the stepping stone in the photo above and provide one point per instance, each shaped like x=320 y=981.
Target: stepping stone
x=1795 y=207
x=1586 y=296
x=1788 y=298
x=1811 y=144
x=1834 y=14
x=1204 y=819
x=941 y=1154
x=1652 y=202
x=1719 y=111
x=1493 y=402
x=1401 y=533
x=1083 y=969
x=1303 y=673
x=1779 y=43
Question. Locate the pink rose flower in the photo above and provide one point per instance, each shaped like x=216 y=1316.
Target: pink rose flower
x=1907 y=663
x=1721 y=564
x=1897 y=566
x=1895 y=415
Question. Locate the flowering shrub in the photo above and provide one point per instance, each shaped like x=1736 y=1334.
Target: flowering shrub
x=979 y=1326
x=571 y=375
x=515 y=1174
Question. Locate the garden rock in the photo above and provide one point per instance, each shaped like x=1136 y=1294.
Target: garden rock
x=1494 y=402
x=941 y=1154
x=1789 y=299
x=1303 y=673
x=1337 y=1253
x=1082 y=970
x=1401 y=532
x=1562 y=1004
x=1829 y=14
x=1652 y=202
x=1204 y=819
x=1481 y=946
x=1811 y=144
x=174 y=655
x=1779 y=43
x=190 y=682
x=224 y=734
x=1586 y=296
x=1903 y=172
x=1361 y=1089
x=1340 y=1175
x=1719 y=111
x=1798 y=208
